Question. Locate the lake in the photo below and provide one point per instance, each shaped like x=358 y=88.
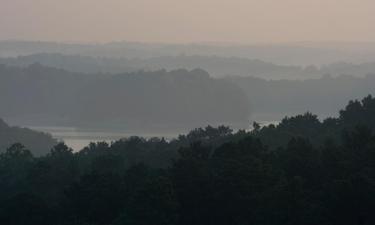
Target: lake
x=77 y=138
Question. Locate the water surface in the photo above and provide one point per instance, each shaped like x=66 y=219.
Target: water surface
x=77 y=139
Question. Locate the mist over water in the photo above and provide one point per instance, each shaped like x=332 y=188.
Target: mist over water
x=88 y=93
x=187 y=112
x=77 y=138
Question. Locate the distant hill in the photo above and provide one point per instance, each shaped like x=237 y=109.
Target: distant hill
x=215 y=65
x=285 y=54
x=73 y=63
x=38 y=143
x=176 y=101
x=272 y=99
x=39 y=95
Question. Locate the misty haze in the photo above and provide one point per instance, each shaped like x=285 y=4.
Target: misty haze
x=193 y=112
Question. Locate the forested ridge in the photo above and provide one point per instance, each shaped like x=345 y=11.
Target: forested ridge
x=301 y=171
x=190 y=112
x=216 y=66
x=297 y=53
x=158 y=100
x=272 y=99
x=39 y=143
x=176 y=100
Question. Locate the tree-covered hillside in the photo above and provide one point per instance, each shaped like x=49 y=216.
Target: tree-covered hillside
x=217 y=66
x=319 y=173
x=38 y=143
x=273 y=99
x=141 y=100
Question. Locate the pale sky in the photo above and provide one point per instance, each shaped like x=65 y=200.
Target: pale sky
x=182 y=21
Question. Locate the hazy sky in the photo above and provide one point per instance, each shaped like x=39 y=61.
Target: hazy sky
x=238 y=21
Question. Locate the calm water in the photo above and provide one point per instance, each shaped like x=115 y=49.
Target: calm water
x=77 y=139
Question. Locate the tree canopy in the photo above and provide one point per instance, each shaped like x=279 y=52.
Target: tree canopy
x=301 y=171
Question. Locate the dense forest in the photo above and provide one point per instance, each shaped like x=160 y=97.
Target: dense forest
x=301 y=171
x=189 y=112
x=141 y=100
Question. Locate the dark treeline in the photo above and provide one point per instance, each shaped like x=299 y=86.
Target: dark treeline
x=140 y=100
x=302 y=171
x=215 y=65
